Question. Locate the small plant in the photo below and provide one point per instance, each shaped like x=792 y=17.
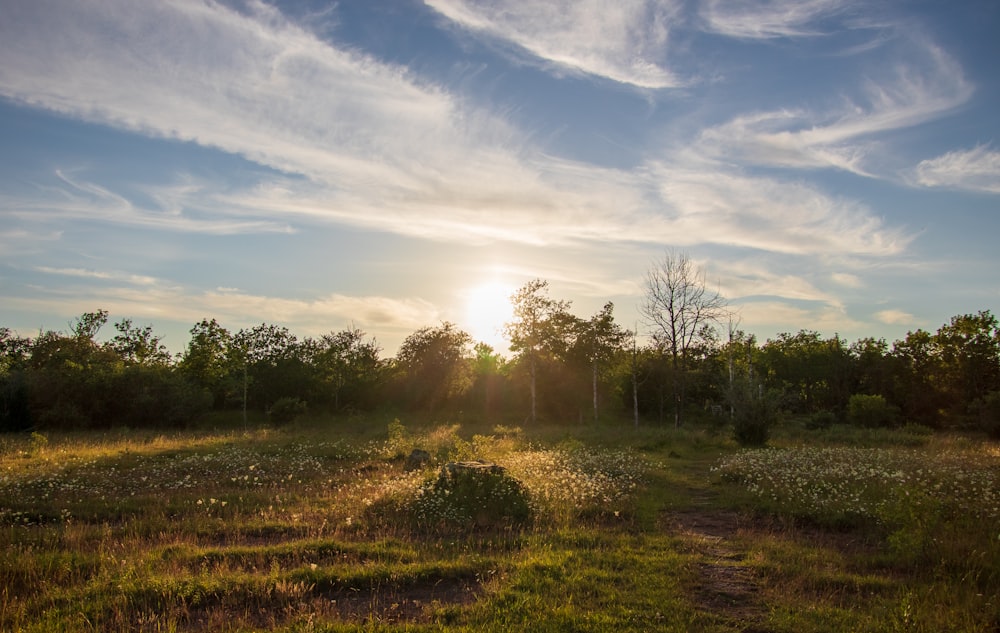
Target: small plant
x=38 y=442
x=398 y=444
x=285 y=410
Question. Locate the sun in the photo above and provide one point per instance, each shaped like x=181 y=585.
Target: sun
x=487 y=309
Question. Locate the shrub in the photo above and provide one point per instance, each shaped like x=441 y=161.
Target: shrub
x=871 y=411
x=752 y=422
x=821 y=420
x=15 y=414
x=472 y=495
x=38 y=442
x=284 y=410
x=753 y=414
x=988 y=409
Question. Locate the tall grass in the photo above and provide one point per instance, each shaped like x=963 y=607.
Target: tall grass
x=936 y=509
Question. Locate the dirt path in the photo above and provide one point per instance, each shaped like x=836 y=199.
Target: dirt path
x=727 y=589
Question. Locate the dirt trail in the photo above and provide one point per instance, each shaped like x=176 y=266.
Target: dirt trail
x=727 y=588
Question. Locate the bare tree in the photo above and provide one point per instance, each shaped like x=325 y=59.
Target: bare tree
x=681 y=311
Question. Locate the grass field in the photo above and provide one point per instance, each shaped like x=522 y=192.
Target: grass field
x=318 y=527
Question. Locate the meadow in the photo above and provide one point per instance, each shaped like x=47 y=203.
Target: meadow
x=318 y=526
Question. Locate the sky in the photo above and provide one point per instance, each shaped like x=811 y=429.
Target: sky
x=830 y=165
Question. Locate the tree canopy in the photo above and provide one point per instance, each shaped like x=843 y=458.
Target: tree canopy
x=563 y=367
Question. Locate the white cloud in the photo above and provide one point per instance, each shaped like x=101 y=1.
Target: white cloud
x=775 y=316
x=139 y=280
x=847 y=280
x=895 y=317
x=977 y=169
x=315 y=316
x=711 y=204
x=370 y=146
x=252 y=85
x=391 y=319
x=765 y=19
x=625 y=41
x=70 y=197
x=749 y=278
x=376 y=147
x=930 y=84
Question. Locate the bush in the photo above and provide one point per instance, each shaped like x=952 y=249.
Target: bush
x=472 y=495
x=871 y=411
x=15 y=414
x=752 y=421
x=284 y=410
x=821 y=420
x=988 y=409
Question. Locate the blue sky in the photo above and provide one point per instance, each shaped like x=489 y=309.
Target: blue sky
x=830 y=164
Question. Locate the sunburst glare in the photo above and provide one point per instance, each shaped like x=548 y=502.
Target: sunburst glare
x=487 y=309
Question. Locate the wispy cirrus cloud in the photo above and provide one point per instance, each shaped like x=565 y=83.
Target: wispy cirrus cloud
x=765 y=19
x=774 y=316
x=365 y=144
x=69 y=195
x=976 y=169
x=624 y=41
x=720 y=205
x=928 y=85
x=315 y=315
x=86 y=273
x=311 y=316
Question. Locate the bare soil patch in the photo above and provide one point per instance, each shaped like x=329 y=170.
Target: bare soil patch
x=726 y=588
x=387 y=604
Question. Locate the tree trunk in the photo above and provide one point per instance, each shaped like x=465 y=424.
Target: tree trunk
x=533 y=409
x=635 y=400
x=595 y=392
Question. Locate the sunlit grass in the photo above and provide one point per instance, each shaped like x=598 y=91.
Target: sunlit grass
x=951 y=482
x=934 y=513
x=182 y=531
x=317 y=528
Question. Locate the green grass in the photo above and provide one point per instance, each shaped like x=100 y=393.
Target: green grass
x=312 y=528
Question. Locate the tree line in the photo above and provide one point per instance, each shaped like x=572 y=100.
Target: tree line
x=695 y=366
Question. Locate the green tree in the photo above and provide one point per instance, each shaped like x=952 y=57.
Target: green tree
x=812 y=372
x=77 y=382
x=70 y=380
x=208 y=362
x=15 y=414
x=349 y=367
x=916 y=367
x=433 y=365
x=598 y=341
x=537 y=329
x=87 y=325
x=739 y=356
x=273 y=363
x=872 y=368
x=489 y=376
x=969 y=349
x=139 y=346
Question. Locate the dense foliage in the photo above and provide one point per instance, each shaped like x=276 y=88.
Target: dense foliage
x=564 y=368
